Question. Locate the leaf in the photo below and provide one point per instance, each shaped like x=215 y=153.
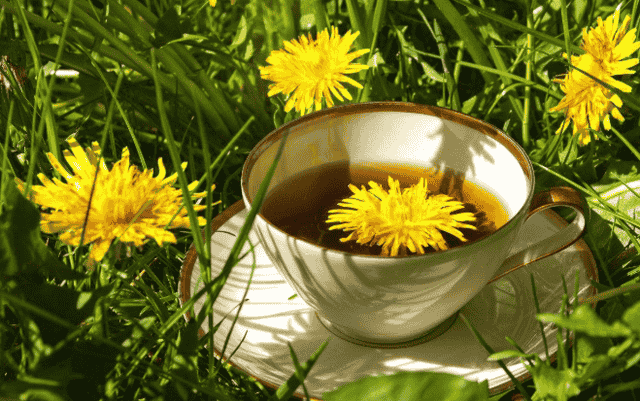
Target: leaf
x=580 y=7
x=241 y=33
x=508 y=354
x=553 y=384
x=588 y=346
x=632 y=317
x=616 y=188
x=612 y=310
x=408 y=386
x=21 y=248
x=595 y=368
x=617 y=171
x=592 y=358
x=585 y=320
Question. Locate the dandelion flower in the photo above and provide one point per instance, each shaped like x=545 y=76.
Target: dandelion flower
x=308 y=70
x=127 y=204
x=586 y=102
x=400 y=220
x=213 y=3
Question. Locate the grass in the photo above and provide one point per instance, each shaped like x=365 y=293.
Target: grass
x=180 y=80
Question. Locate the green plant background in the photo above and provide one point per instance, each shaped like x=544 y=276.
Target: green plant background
x=180 y=80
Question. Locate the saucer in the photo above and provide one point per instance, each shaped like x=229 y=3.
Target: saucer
x=269 y=320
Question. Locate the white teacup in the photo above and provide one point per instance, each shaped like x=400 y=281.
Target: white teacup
x=376 y=300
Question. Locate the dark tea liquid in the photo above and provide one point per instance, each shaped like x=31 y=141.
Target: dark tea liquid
x=300 y=206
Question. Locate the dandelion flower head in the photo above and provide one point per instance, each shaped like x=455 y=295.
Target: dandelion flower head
x=126 y=204
x=400 y=220
x=586 y=102
x=308 y=70
x=213 y=3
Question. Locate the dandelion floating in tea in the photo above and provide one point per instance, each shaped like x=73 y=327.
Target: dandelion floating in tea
x=126 y=203
x=586 y=102
x=410 y=219
x=313 y=69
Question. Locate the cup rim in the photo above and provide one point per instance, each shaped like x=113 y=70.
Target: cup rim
x=406 y=107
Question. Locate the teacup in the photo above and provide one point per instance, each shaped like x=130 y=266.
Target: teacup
x=378 y=300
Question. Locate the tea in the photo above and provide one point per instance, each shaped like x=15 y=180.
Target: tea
x=300 y=205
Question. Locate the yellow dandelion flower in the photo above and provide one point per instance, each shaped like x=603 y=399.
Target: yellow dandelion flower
x=213 y=3
x=610 y=44
x=127 y=204
x=586 y=102
x=400 y=220
x=313 y=69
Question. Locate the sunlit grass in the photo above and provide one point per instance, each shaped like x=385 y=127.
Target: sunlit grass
x=182 y=81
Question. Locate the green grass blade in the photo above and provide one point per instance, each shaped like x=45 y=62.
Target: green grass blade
x=565 y=28
x=5 y=151
x=376 y=22
x=189 y=86
x=175 y=158
x=289 y=16
x=216 y=96
x=215 y=286
x=44 y=102
x=286 y=390
x=443 y=50
x=225 y=151
x=526 y=140
x=519 y=27
x=299 y=370
x=486 y=30
x=320 y=15
x=475 y=48
x=244 y=298
x=518 y=78
x=540 y=325
x=357 y=18
x=490 y=350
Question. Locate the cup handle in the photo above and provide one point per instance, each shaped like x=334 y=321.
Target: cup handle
x=567 y=236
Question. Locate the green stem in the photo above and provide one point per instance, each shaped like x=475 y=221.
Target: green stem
x=528 y=74
x=565 y=29
x=610 y=293
x=511 y=76
x=537 y=305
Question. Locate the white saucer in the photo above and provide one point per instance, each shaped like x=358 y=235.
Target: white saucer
x=504 y=308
